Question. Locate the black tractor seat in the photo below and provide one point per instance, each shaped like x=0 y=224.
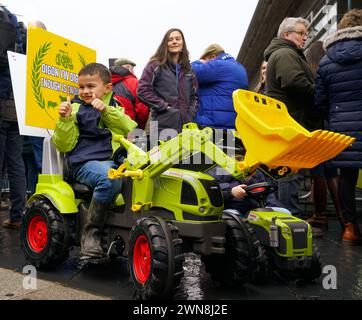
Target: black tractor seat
x=81 y=191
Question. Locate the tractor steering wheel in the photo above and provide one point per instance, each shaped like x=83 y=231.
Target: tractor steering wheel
x=260 y=190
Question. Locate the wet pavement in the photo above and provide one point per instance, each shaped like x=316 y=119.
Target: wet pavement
x=111 y=280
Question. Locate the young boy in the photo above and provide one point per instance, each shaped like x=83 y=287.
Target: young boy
x=234 y=191
x=84 y=131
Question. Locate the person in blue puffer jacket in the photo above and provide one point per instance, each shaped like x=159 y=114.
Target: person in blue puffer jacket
x=218 y=75
x=338 y=91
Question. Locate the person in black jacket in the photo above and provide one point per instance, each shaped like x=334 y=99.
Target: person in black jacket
x=168 y=87
x=339 y=93
x=11 y=143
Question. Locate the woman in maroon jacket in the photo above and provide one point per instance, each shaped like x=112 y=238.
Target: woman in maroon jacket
x=168 y=86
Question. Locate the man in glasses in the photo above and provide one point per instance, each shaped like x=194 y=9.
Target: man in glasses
x=290 y=80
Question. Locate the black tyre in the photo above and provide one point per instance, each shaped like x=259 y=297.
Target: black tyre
x=46 y=235
x=315 y=269
x=155 y=258
x=263 y=268
x=239 y=263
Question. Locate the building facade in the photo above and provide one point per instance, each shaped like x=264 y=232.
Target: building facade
x=323 y=16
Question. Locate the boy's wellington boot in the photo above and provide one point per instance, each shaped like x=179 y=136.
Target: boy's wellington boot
x=92 y=231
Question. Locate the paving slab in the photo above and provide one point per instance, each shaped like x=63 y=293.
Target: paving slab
x=16 y=286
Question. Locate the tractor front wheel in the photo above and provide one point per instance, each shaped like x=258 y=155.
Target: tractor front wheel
x=315 y=268
x=155 y=258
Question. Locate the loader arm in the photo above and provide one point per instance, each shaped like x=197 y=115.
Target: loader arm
x=272 y=138
x=145 y=168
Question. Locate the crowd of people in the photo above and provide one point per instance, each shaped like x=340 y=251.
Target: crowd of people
x=321 y=89
x=326 y=92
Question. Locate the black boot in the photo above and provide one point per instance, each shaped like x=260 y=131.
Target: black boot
x=92 y=231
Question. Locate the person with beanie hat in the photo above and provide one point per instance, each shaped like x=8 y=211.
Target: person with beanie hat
x=218 y=75
x=123 y=61
x=125 y=85
x=212 y=50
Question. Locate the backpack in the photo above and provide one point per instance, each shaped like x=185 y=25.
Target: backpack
x=8 y=37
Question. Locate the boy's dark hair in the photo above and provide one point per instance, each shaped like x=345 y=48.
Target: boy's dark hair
x=97 y=68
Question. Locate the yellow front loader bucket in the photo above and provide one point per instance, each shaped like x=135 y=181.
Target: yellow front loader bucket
x=273 y=138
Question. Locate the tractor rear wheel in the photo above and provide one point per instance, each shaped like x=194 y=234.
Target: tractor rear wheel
x=155 y=258
x=264 y=266
x=46 y=235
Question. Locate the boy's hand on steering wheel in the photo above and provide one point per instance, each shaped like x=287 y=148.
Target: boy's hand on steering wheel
x=239 y=192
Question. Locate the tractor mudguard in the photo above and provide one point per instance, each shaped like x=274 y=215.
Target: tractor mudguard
x=57 y=191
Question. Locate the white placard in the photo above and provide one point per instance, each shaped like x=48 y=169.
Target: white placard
x=17 y=63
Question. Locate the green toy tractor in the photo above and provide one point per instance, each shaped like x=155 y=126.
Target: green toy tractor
x=286 y=241
x=165 y=211
x=162 y=213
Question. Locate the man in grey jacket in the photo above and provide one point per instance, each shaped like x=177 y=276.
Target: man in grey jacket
x=290 y=80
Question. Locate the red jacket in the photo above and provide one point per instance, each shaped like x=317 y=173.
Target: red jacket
x=125 y=86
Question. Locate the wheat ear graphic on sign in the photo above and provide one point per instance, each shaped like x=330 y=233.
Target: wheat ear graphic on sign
x=82 y=60
x=35 y=76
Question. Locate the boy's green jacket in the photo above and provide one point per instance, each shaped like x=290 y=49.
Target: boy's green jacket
x=66 y=131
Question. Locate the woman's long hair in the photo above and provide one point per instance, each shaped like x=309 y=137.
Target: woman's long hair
x=261 y=83
x=314 y=55
x=163 y=56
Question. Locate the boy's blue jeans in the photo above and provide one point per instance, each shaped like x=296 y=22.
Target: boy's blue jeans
x=95 y=175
